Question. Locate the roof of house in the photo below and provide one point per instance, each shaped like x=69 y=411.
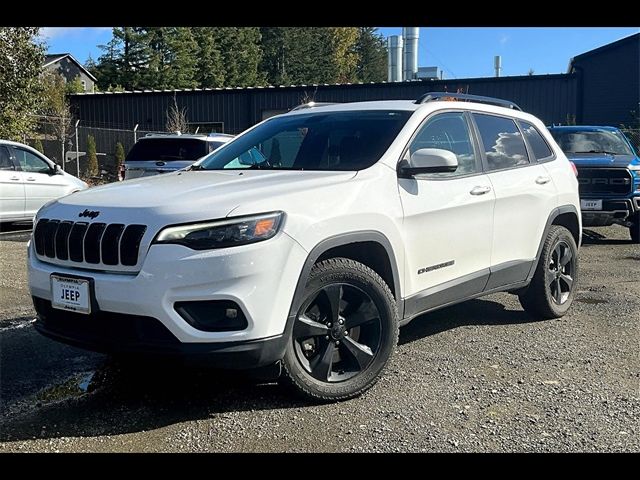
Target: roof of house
x=56 y=57
x=631 y=38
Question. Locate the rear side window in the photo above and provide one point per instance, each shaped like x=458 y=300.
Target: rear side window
x=538 y=145
x=502 y=141
x=167 y=149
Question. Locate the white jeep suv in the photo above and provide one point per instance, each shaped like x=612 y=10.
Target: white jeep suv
x=306 y=241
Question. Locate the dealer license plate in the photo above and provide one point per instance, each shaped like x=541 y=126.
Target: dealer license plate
x=591 y=204
x=70 y=294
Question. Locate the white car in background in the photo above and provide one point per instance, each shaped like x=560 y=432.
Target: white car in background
x=28 y=180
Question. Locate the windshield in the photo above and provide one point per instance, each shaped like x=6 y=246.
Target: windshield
x=351 y=140
x=591 y=141
x=167 y=149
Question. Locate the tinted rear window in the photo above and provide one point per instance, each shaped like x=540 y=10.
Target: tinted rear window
x=540 y=148
x=503 y=144
x=167 y=149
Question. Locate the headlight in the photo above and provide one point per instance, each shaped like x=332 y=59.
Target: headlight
x=634 y=167
x=230 y=232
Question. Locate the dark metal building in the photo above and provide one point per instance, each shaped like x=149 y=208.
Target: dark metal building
x=608 y=83
x=602 y=87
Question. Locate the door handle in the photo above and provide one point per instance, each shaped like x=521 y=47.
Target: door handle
x=542 y=180
x=15 y=179
x=31 y=179
x=480 y=190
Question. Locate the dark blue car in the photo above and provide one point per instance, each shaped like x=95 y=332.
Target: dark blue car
x=608 y=174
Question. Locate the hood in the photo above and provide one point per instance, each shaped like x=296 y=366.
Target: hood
x=601 y=160
x=186 y=196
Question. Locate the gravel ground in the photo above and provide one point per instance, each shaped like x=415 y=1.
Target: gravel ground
x=480 y=377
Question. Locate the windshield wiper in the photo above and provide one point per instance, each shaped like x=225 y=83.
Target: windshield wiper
x=194 y=167
x=599 y=151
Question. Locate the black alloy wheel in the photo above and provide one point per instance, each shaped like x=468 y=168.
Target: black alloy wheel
x=344 y=332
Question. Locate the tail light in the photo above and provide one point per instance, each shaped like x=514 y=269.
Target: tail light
x=573 y=166
x=121 y=172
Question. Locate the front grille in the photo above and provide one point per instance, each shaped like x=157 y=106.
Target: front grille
x=95 y=243
x=604 y=181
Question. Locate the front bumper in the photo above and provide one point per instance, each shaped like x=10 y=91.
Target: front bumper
x=613 y=211
x=261 y=278
x=118 y=333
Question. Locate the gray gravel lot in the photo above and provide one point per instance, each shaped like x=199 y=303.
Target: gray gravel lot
x=482 y=376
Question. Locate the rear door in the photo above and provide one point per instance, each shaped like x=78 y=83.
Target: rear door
x=11 y=187
x=525 y=195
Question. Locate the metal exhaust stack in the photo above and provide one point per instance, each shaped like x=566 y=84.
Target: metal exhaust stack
x=497 y=64
x=394 y=44
x=410 y=35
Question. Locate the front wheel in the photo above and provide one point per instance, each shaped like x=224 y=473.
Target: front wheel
x=553 y=285
x=344 y=333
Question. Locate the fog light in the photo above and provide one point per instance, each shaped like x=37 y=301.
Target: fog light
x=212 y=315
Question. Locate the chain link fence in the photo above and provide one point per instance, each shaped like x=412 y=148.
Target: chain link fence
x=64 y=141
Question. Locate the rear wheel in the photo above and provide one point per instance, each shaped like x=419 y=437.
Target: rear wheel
x=344 y=333
x=553 y=286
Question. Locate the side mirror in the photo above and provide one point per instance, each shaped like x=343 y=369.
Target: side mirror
x=56 y=170
x=428 y=160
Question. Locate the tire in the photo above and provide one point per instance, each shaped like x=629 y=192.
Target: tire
x=325 y=361
x=634 y=230
x=542 y=298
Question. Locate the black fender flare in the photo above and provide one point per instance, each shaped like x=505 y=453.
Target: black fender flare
x=338 y=241
x=555 y=213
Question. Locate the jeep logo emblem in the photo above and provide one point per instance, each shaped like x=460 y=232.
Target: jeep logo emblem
x=604 y=181
x=89 y=213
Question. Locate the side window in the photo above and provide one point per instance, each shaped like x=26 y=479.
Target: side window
x=30 y=162
x=503 y=143
x=448 y=131
x=5 y=159
x=537 y=143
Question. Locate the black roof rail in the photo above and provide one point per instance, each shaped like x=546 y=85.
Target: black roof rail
x=464 y=97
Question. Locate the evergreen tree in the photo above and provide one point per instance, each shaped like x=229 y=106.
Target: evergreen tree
x=181 y=58
x=371 y=49
x=209 y=68
x=21 y=58
x=119 y=155
x=343 y=49
x=107 y=70
x=241 y=53
x=37 y=144
x=92 y=157
x=131 y=56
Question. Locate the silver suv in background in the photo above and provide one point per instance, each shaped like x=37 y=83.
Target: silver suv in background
x=162 y=153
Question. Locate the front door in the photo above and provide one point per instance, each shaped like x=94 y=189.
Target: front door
x=448 y=219
x=40 y=185
x=11 y=188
